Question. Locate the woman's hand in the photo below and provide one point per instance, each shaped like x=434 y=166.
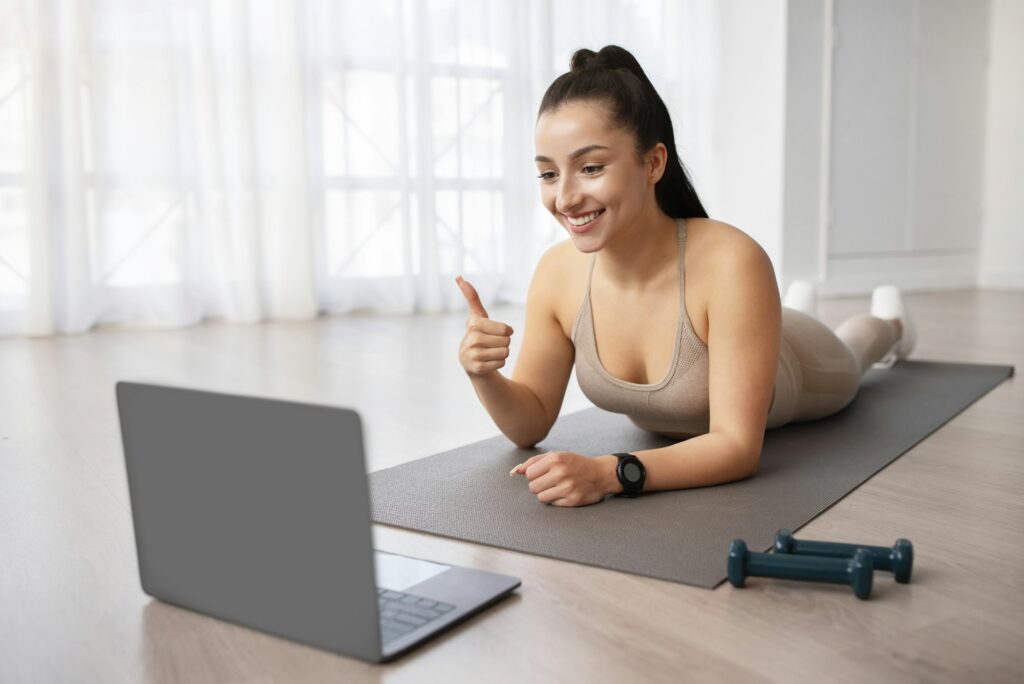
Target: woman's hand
x=562 y=478
x=485 y=346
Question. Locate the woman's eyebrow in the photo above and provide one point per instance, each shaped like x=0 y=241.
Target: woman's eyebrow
x=578 y=153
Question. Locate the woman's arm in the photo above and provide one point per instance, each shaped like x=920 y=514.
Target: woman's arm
x=524 y=408
x=565 y=478
x=744 y=335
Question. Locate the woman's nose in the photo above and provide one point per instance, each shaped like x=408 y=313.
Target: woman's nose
x=567 y=198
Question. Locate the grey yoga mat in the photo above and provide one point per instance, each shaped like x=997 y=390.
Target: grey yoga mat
x=680 y=535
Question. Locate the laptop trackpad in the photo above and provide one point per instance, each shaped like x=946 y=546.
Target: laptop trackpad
x=401 y=572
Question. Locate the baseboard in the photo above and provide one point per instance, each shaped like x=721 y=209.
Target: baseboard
x=1001 y=280
x=858 y=275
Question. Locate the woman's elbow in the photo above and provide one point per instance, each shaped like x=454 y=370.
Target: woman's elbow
x=528 y=441
x=745 y=456
x=749 y=469
x=750 y=460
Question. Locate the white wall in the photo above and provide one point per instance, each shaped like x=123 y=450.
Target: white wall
x=894 y=128
x=808 y=74
x=750 y=111
x=1001 y=262
x=907 y=145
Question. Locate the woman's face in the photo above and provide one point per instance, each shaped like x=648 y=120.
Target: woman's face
x=590 y=174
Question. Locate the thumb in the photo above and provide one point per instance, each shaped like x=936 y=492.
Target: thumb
x=469 y=292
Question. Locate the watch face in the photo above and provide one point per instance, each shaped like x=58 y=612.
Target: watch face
x=631 y=471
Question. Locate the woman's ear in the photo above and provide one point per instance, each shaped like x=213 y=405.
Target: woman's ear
x=657 y=161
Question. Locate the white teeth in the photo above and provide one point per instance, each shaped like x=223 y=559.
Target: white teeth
x=583 y=219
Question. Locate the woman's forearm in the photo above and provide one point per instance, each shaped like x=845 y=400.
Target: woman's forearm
x=707 y=459
x=515 y=409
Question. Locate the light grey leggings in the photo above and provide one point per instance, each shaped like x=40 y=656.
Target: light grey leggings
x=819 y=370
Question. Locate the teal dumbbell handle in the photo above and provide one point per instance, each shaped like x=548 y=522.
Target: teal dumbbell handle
x=856 y=571
x=899 y=559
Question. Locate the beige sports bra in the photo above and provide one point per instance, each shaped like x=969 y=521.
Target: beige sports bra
x=677 y=406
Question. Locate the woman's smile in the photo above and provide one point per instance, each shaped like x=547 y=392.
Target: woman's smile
x=579 y=228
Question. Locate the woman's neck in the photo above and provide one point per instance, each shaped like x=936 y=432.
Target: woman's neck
x=635 y=259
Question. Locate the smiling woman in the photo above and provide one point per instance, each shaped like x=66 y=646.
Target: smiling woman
x=668 y=316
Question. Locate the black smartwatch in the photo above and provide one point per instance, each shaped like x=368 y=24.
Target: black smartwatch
x=631 y=474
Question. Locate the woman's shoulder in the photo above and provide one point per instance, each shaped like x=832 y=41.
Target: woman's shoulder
x=560 y=262
x=559 y=280
x=563 y=254
x=718 y=237
x=722 y=262
x=717 y=247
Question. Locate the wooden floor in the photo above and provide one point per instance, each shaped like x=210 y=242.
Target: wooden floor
x=71 y=608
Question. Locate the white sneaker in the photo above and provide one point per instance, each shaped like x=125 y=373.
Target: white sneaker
x=802 y=296
x=887 y=303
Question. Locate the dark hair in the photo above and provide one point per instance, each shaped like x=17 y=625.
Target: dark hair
x=614 y=78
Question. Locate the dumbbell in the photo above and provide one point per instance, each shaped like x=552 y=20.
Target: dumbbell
x=856 y=571
x=899 y=560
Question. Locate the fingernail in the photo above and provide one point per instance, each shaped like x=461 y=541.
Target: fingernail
x=514 y=471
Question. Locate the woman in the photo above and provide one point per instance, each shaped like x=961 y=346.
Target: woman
x=669 y=317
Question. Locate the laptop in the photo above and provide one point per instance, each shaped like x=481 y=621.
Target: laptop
x=257 y=511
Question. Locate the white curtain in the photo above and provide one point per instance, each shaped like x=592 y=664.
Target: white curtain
x=168 y=161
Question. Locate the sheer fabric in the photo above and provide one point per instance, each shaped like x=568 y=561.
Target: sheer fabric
x=168 y=161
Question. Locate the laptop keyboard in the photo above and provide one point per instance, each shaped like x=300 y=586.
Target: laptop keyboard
x=401 y=613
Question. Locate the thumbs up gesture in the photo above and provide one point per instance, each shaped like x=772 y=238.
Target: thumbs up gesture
x=485 y=345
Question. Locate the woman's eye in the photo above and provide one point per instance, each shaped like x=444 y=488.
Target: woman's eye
x=594 y=168
x=546 y=175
